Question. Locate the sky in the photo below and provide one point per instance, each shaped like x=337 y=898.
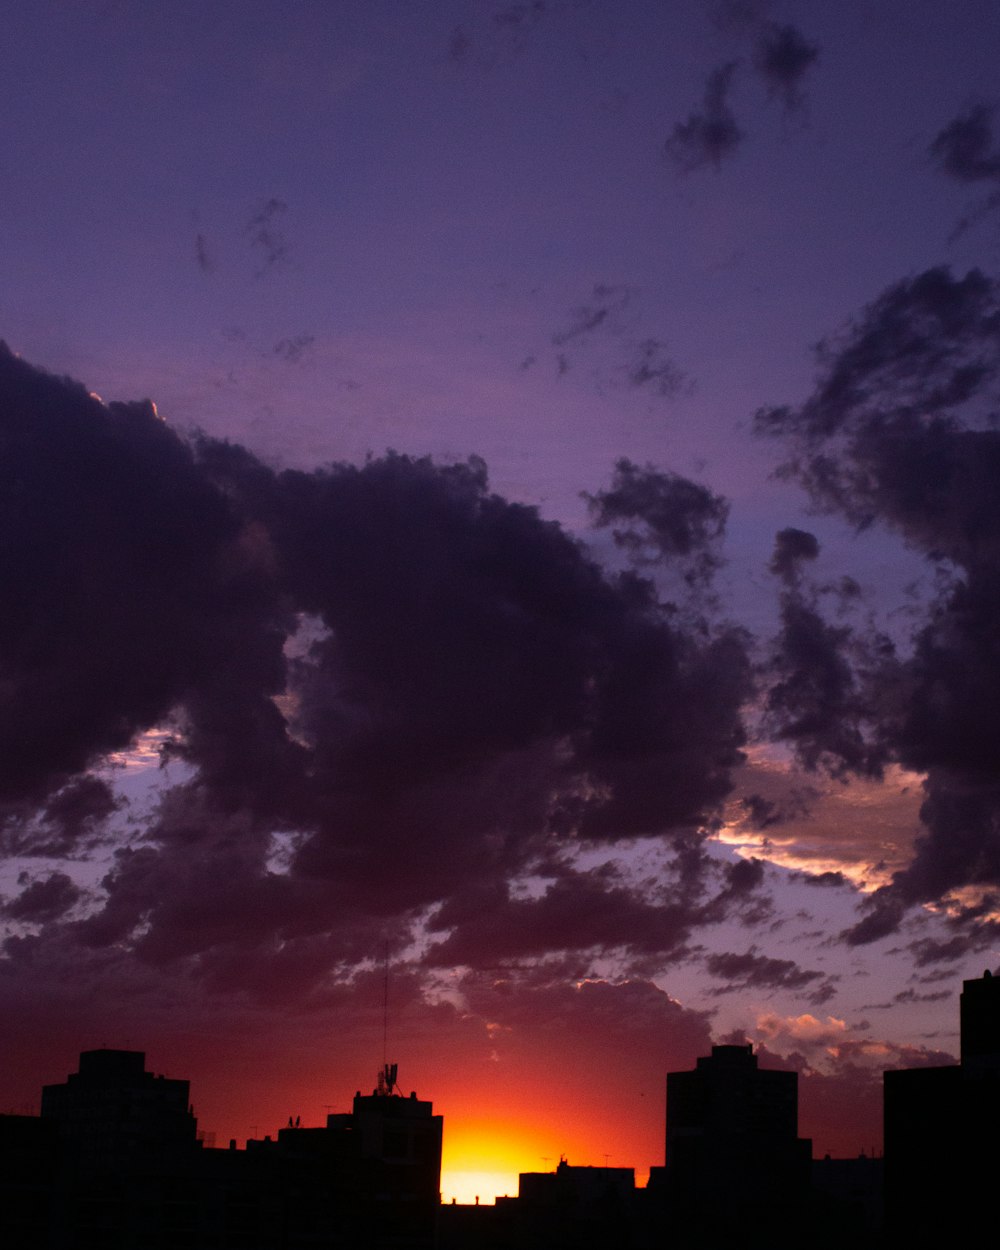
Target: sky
x=500 y=554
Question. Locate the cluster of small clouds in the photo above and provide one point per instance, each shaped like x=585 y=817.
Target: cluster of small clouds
x=782 y=57
x=503 y=31
x=262 y=232
x=638 y=362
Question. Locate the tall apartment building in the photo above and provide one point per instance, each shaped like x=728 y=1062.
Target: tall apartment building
x=941 y=1142
x=734 y=1159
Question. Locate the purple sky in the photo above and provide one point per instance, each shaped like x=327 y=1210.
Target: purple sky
x=557 y=236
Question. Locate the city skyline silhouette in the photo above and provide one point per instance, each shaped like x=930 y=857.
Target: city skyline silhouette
x=115 y=1158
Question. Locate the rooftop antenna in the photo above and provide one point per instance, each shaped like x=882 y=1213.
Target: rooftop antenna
x=387 y=1076
x=385 y=999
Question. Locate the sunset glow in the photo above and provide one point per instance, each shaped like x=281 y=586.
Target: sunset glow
x=547 y=624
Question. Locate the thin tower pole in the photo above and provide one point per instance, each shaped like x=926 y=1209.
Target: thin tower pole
x=385 y=1004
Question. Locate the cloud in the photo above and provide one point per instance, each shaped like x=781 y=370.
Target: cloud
x=911 y=996
x=201 y=254
x=965 y=149
x=825 y=880
x=653 y=368
x=791 y=548
x=672 y=519
x=899 y=431
x=626 y=362
x=753 y=971
x=782 y=59
x=578 y=911
x=266 y=235
x=292 y=350
x=607 y=301
x=382 y=688
x=46 y=899
x=135 y=582
x=860 y=828
x=815 y=701
x=68 y=824
x=708 y=137
x=597 y=913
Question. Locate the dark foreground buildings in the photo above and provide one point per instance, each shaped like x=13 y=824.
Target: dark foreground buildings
x=735 y=1164
x=941 y=1132
x=114 y=1163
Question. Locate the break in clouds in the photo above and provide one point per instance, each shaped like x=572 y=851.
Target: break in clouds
x=393 y=701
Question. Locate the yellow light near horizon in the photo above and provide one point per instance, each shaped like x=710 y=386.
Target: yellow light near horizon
x=482 y=1187
x=484 y=1158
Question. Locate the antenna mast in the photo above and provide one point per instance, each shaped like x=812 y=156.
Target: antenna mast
x=387 y=1075
x=385 y=1001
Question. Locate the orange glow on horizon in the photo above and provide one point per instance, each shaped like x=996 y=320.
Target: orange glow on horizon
x=483 y=1157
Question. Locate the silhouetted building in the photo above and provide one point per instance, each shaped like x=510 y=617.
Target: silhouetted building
x=113 y=1111
x=846 y=1201
x=114 y=1163
x=30 y=1164
x=575 y=1208
x=572 y=1208
x=979 y=1015
x=399 y=1147
x=941 y=1149
x=734 y=1160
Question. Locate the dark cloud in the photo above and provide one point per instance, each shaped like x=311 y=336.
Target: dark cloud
x=580 y=911
x=782 y=58
x=201 y=254
x=911 y=996
x=76 y=812
x=266 y=235
x=71 y=822
x=929 y=951
x=129 y=582
x=656 y=515
x=823 y=879
x=590 y=912
x=606 y=302
x=292 y=350
x=388 y=687
x=623 y=361
x=708 y=137
x=791 y=548
x=652 y=367
x=744 y=876
x=44 y=900
x=966 y=149
x=901 y=431
x=761 y=812
x=753 y=971
x=815 y=701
